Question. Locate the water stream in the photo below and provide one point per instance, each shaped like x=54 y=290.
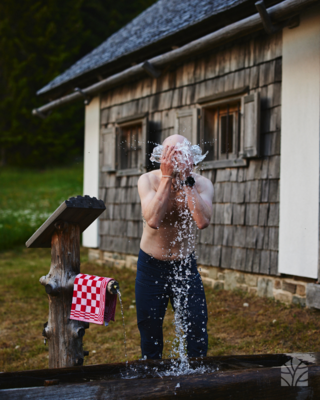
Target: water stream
x=124 y=327
x=181 y=277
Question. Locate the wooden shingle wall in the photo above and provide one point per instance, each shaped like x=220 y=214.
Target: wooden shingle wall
x=244 y=228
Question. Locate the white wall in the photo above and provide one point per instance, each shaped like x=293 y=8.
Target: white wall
x=90 y=237
x=299 y=169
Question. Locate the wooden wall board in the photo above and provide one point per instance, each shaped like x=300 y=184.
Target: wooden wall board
x=243 y=233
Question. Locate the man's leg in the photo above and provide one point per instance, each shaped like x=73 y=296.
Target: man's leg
x=151 y=302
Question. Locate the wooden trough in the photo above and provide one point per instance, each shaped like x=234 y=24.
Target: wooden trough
x=236 y=378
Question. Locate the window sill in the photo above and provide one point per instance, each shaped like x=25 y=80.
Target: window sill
x=128 y=172
x=237 y=162
x=106 y=168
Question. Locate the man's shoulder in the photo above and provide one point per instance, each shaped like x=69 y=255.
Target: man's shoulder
x=150 y=177
x=201 y=178
x=202 y=182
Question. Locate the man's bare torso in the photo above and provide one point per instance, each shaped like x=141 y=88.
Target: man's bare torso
x=175 y=237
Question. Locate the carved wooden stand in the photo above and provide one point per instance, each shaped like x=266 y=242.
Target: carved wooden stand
x=62 y=232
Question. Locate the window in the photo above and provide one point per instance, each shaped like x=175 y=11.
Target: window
x=221 y=131
x=130 y=149
x=131 y=145
x=229 y=128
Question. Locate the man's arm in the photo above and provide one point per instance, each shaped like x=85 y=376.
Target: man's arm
x=200 y=202
x=154 y=203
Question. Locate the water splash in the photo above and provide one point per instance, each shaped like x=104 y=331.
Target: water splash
x=124 y=327
x=185 y=148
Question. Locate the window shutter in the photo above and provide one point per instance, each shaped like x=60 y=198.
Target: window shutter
x=250 y=126
x=108 y=141
x=186 y=124
x=145 y=145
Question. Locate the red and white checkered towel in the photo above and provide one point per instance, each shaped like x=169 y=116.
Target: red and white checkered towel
x=91 y=302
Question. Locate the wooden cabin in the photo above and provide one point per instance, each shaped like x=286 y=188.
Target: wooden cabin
x=243 y=81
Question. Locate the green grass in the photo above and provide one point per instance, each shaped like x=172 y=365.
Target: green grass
x=28 y=197
x=266 y=326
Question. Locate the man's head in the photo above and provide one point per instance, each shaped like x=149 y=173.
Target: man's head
x=185 y=152
x=173 y=140
x=183 y=158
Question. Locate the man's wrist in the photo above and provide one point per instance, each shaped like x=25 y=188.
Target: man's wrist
x=190 y=182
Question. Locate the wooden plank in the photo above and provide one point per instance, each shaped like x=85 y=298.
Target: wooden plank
x=278 y=70
x=219 y=217
x=177 y=98
x=218 y=235
x=215 y=256
x=70 y=211
x=238 y=192
x=253 y=191
x=238 y=260
x=274 y=167
x=254 y=170
x=253 y=260
x=227 y=214
x=254 y=77
x=263 y=214
x=238 y=214
x=206 y=235
x=274 y=239
x=265 y=191
x=274 y=263
x=218 y=164
x=252 y=214
x=200 y=69
x=226 y=257
x=228 y=235
x=223 y=95
x=133 y=246
x=267 y=73
x=218 y=192
x=227 y=188
x=265 y=262
x=274 y=190
x=240 y=236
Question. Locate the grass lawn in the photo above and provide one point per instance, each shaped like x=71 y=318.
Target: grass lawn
x=265 y=326
x=28 y=197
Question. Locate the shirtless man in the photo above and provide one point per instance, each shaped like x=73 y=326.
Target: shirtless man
x=173 y=199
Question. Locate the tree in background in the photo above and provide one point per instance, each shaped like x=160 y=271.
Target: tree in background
x=38 y=41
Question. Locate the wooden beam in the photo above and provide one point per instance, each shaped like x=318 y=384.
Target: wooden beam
x=279 y=12
x=77 y=210
x=223 y=95
x=265 y=18
x=23 y=379
x=257 y=384
x=151 y=70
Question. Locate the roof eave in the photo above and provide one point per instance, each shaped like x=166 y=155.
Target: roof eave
x=164 y=45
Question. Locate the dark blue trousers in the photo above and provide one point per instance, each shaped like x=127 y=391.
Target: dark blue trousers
x=157 y=282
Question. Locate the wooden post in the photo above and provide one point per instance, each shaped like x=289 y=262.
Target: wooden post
x=62 y=232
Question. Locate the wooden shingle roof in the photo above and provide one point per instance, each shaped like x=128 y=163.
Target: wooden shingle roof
x=162 y=20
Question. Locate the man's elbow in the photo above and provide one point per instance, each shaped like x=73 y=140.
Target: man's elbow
x=203 y=224
x=153 y=223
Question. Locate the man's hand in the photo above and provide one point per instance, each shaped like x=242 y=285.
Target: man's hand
x=185 y=165
x=167 y=162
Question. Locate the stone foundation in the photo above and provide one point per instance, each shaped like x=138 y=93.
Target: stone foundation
x=290 y=290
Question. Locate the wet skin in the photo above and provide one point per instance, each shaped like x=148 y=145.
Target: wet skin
x=172 y=211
